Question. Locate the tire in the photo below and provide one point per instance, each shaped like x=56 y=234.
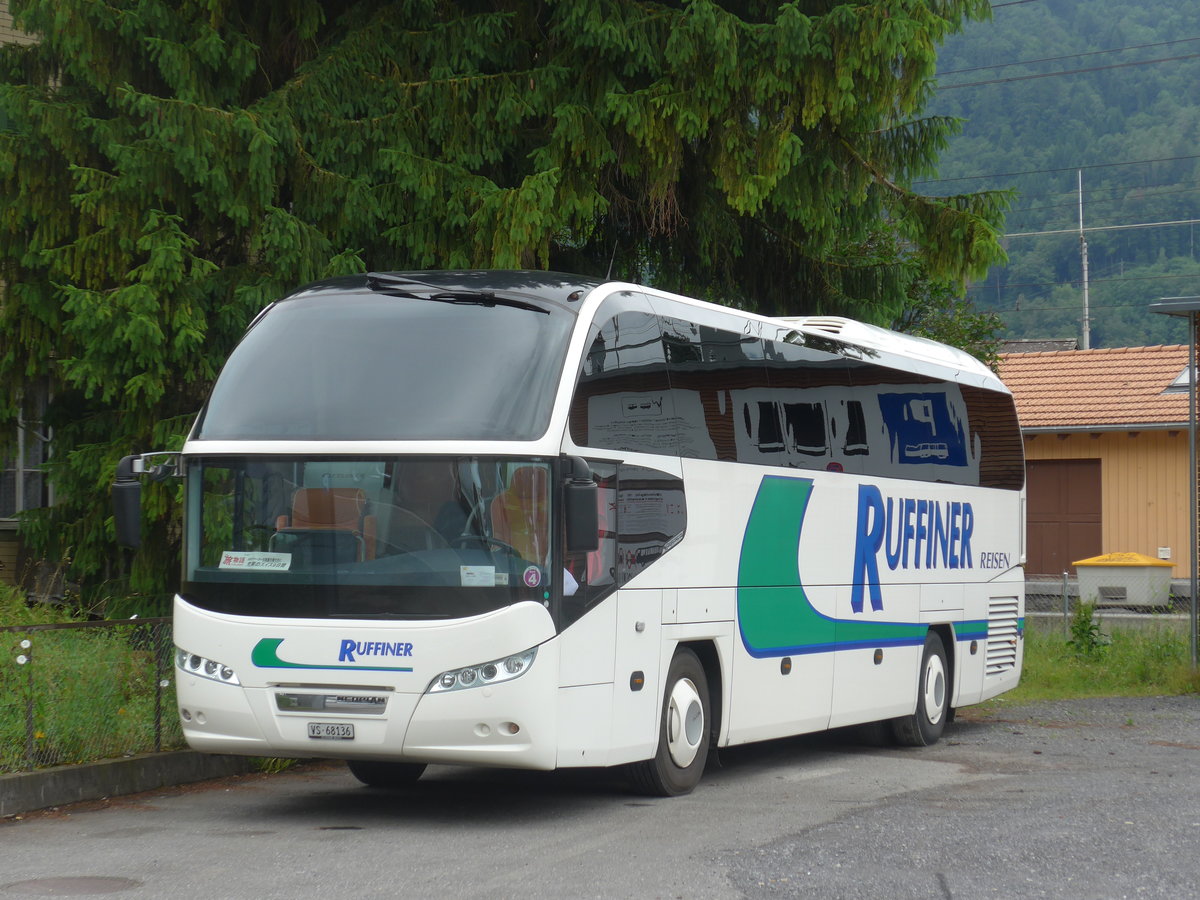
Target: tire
x=684 y=731
x=925 y=726
x=385 y=774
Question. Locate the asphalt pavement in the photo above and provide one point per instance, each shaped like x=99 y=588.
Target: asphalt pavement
x=1081 y=799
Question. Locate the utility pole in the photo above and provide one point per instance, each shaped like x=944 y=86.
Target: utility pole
x=1087 y=323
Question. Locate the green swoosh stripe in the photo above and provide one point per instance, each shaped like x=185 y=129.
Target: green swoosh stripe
x=265 y=655
x=775 y=616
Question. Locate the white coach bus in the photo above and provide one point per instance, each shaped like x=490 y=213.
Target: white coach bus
x=534 y=520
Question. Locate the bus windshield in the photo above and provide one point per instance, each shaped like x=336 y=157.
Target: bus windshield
x=355 y=365
x=387 y=537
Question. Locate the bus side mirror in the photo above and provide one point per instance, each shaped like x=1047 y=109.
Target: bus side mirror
x=581 y=514
x=127 y=503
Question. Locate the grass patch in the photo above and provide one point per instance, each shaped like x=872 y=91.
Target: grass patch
x=77 y=695
x=1088 y=662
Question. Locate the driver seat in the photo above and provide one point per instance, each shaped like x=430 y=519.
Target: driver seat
x=332 y=510
x=521 y=514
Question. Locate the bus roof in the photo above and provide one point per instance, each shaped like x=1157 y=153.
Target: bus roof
x=875 y=338
x=568 y=289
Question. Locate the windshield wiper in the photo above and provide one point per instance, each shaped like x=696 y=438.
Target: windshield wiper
x=399 y=287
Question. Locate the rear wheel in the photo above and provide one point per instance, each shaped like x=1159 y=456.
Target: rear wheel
x=683 y=732
x=925 y=726
x=385 y=774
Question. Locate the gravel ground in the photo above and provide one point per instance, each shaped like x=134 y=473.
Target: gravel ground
x=1090 y=798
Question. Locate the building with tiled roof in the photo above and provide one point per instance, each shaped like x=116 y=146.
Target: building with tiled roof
x=1118 y=388
x=1106 y=450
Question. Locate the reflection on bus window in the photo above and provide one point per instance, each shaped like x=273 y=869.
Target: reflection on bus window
x=437 y=537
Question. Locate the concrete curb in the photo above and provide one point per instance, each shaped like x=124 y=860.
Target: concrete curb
x=28 y=791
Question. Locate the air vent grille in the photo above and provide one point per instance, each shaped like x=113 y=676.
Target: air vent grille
x=831 y=326
x=1003 y=624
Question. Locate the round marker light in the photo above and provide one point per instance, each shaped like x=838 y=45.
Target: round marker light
x=467 y=676
x=226 y=672
x=489 y=671
x=194 y=661
x=514 y=664
x=447 y=680
x=210 y=667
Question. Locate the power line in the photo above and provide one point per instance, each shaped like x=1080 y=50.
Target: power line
x=1072 y=309
x=1132 y=162
x=1030 y=62
x=1102 y=228
x=1017 y=284
x=1143 y=62
x=1013 y=216
x=1091 y=192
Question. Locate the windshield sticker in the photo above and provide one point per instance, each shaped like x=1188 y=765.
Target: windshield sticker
x=250 y=559
x=533 y=576
x=478 y=576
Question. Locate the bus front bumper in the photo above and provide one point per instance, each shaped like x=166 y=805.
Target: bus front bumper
x=511 y=724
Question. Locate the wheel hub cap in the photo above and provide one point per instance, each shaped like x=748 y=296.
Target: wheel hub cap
x=685 y=723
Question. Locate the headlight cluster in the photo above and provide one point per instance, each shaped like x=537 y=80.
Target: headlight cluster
x=485 y=673
x=195 y=664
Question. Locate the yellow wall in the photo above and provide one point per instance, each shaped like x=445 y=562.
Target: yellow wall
x=1143 y=486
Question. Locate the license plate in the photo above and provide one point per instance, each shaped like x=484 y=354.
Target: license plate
x=334 y=731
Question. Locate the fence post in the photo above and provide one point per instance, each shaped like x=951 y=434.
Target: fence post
x=1066 y=607
x=26 y=659
x=160 y=682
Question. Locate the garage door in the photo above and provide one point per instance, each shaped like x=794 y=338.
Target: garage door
x=1064 y=513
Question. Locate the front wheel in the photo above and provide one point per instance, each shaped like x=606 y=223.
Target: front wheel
x=385 y=774
x=925 y=726
x=683 y=732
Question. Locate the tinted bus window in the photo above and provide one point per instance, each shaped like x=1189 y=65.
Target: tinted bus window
x=708 y=366
x=622 y=399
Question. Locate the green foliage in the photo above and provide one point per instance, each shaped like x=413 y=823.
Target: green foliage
x=272 y=765
x=1087 y=640
x=1046 y=127
x=171 y=167
x=937 y=312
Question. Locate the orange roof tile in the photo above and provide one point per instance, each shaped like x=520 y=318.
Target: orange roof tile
x=1117 y=387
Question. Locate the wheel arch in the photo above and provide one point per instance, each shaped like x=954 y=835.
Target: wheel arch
x=950 y=645
x=710 y=659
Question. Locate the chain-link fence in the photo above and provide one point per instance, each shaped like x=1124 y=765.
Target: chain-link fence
x=79 y=692
x=1130 y=592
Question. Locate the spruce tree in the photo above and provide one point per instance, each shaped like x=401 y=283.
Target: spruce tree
x=167 y=167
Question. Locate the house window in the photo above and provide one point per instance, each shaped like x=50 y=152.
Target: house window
x=23 y=484
x=1181 y=384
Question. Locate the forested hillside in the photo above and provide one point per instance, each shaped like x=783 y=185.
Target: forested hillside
x=1109 y=88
